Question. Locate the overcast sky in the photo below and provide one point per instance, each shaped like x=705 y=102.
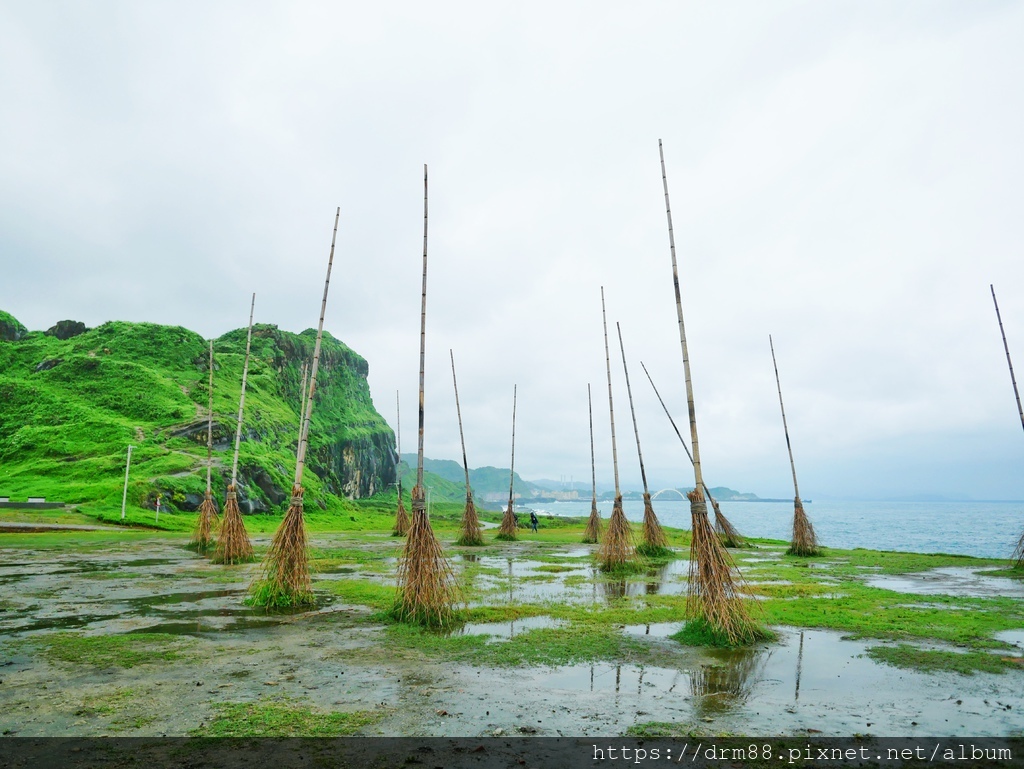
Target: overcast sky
x=847 y=176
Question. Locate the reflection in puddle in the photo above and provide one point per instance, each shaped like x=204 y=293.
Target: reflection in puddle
x=1015 y=637
x=504 y=631
x=952 y=580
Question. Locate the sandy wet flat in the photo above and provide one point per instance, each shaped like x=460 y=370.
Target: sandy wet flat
x=338 y=658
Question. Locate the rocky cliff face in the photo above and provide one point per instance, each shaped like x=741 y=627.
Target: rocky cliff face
x=75 y=398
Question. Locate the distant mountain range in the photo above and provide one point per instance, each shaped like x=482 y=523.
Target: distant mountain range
x=491 y=483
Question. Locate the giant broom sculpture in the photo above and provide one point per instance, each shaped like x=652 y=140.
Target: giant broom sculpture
x=509 y=524
x=202 y=536
x=725 y=530
x=714 y=605
x=469 y=534
x=426 y=585
x=233 y=543
x=804 y=540
x=592 y=534
x=617 y=550
x=655 y=543
x=1018 y=552
x=401 y=516
x=284 y=579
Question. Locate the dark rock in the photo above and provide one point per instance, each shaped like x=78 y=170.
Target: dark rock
x=251 y=505
x=65 y=329
x=266 y=484
x=190 y=503
x=46 y=365
x=10 y=329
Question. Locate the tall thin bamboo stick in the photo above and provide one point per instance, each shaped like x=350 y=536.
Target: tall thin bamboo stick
x=202 y=536
x=655 y=543
x=470 y=530
x=804 y=541
x=730 y=536
x=592 y=534
x=401 y=516
x=713 y=601
x=1018 y=551
x=241 y=398
x=302 y=402
x=617 y=550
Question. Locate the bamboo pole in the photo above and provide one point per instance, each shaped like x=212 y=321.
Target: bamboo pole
x=804 y=541
x=726 y=531
x=714 y=604
x=1018 y=551
x=617 y=550
x=202 y=535
x=233 y=543
x=124 y=494
x=426 y=585
x=592 y=534
x=509 y=525
x=401 y=516
x=284 y=578
x=655 y=543
x=470 y=531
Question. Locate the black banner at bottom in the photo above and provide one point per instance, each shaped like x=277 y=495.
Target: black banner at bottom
x=510 y=752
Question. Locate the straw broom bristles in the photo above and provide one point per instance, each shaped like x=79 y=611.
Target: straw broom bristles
x=284 y=579
x=715 y=606
x=427 y=587
x=655 y=543
x=1018 y=554
x=617 y=550
x=592 y=534
x=202 y=536
x=725 y=530
x=233 y=543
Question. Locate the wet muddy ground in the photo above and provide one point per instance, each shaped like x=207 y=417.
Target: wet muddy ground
x=340 y=657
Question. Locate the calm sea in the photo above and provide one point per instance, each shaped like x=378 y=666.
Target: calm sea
x=986 y=529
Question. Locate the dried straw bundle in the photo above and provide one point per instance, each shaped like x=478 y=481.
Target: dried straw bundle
x=427 y=589
x=284 y=579
x=617 y=550
x=655 y=543
x=592 y=534
x=202 y=536
x=725 y=530
x=401 y=517
x=233 y=543
x=715 y=607
x=804 y=541
x=1018 y=554
x=507 y=530
x=469 y=533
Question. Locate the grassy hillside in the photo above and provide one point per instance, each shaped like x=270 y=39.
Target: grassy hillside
x=69 y=408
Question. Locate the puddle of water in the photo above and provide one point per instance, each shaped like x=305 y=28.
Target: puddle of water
x=503 y=631
x=952 y=580
x=1015 y=637
x=654 y=629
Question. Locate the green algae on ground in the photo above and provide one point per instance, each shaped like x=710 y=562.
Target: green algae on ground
x=123 y=651
x=283 y=718
x=934 y=660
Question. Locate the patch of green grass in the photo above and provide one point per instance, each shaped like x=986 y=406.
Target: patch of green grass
x=361 y=592
x=123 y=651
x=931 y=660
x=283 y=718
x=698 y=632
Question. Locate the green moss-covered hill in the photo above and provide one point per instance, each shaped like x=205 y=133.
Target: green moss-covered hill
x=72 y=399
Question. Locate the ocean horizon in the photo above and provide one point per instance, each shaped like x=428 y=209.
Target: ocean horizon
x=975 y=528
